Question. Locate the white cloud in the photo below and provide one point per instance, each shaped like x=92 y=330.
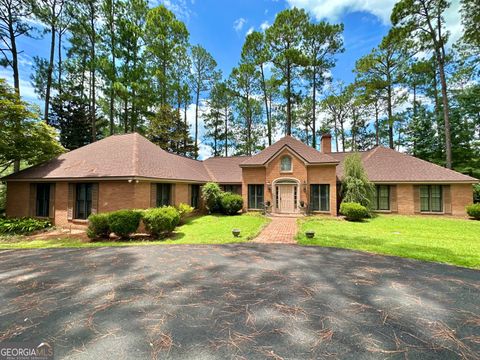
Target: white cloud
x=179 y=7
x=382 y=9
x=249 y=31
x=238 y=24
x=264 y=25
x=332 y=10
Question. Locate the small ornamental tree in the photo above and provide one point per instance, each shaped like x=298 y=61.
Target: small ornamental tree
x=356 y=188
x=211 y=195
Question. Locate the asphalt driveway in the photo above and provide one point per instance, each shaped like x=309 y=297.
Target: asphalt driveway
x=251 y=301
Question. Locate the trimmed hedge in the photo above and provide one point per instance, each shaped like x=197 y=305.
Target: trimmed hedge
x=22 y=225
x=98 y=226
x=184 y=210
x=474 y=211
x=353 y=211
x=159 y=221
x=124 y=222
x=230 y=203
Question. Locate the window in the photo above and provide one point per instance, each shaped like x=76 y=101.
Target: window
x=431 y=198
x=286 y=163
x=83 y=201
x=42 y=204
x=255 y=196
x=320 y=197
x=234 y=189
x=163 y=194
x=381 y=199
x=194 y=195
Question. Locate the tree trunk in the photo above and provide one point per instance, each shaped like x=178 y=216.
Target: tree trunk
x=448 y=140
x=377 y=125
x=185 y=137
x=92 y=58
x=226 y=131
x=314 y=99
x=114 y=74
x=13 y=45
x=390 y=117
x=197 y=99
x=60 y=61
x=269 y=124
x=289 y=105
x=16 y=76
x=50 y=72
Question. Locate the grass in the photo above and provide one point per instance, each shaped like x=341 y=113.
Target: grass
x=209 y=229
x=446 y=240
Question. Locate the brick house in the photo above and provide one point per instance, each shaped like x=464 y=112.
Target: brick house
x=128 y=171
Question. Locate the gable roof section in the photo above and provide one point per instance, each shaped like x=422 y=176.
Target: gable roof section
x=118 y=156
x=387 y=165
x=225 y=170
x=305 y=152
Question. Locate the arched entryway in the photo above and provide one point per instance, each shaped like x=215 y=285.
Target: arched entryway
x=286 y=195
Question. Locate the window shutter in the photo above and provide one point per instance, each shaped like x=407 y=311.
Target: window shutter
x=153 y=195
x=33 y=200
x=447 y=199
x=173 y=197
x=94 y=198
x=393 y=198
x=416 y=198
x=71 y=201
x=51 y=202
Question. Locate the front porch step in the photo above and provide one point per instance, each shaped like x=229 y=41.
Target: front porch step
x=293 y=215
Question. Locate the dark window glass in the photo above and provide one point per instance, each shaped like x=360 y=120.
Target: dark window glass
x=431 y=198
x=255 y=196
x=194 y=195
x=286 y=163
x=320 y=197
x=163 y=194
x=43 y=200
x=234 y=189
x=381 y=199
x=83 y=203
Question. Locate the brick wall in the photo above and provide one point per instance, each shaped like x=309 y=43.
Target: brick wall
x=18 y=198
x=462 y=195
x=405 y=199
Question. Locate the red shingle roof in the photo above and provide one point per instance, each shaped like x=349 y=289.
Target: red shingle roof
x=225 y=169
x=309 y=154
x=387 y=165
x=129 y=155
x=132 y=155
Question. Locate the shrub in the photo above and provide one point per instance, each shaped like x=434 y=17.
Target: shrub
x=98 y=226
x=211 y=195
x=161 y=220
x=474 y=211
x=124 y=222
x=22 y=225
x=231 y=203
x=356 y=187
x=184 y=210
x=353 y=211
x=476 y=193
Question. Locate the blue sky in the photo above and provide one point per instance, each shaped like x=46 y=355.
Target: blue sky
x=221 y=26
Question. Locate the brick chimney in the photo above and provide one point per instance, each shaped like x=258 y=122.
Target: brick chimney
x=326 y=143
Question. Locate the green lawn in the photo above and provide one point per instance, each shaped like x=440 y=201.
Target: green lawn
x=452 y=241
x=209 y=229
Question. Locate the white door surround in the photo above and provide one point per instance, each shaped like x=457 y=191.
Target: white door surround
x=286 y=195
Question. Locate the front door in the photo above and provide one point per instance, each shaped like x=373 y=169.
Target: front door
x=286 y=198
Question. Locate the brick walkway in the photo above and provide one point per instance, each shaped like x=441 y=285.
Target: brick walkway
x=281 y=230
